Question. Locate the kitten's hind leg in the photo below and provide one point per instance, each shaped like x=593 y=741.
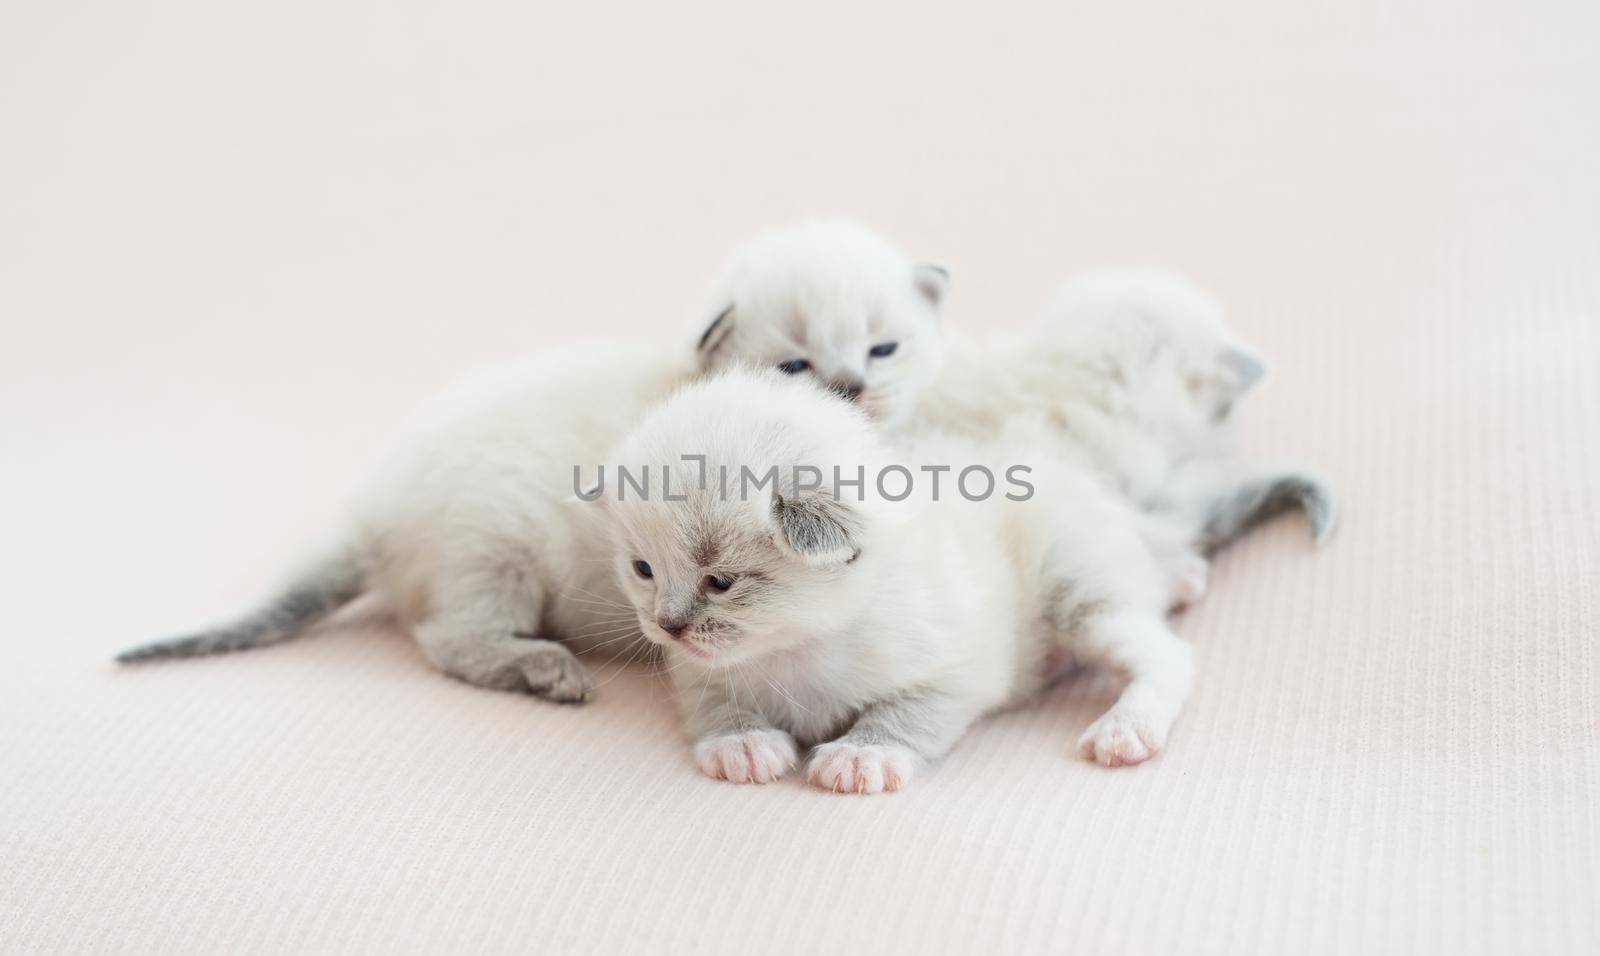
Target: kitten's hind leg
x=1169 y=539
x=502 y=661
x=479 y=630
x=1159 y=667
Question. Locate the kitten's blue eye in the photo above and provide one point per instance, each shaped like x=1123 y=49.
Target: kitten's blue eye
x=883 y=351
x=794 y=366
x=642 y=569
x=719 y=582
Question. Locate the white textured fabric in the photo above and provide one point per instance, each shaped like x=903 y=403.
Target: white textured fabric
x=237 y=242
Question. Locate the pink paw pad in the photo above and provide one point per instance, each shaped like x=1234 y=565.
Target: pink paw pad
x=847 y=768
x=1121 y=740
x=755 y=756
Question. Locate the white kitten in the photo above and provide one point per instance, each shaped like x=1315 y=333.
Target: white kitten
x=834 y=301
x=464 y=531
x=879 y=629
x=1139 y=375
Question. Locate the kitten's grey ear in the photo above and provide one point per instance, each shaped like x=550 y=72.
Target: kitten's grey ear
x=716 y=332
x=817 y=529
x=1244 y=368
x=932 y=281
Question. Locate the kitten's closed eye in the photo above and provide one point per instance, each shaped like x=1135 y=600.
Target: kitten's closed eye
x=719 y=582
x=883 y=351
x=794 y=366
x=643 y=570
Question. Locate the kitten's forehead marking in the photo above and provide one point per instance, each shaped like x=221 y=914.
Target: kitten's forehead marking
x=798 y=328
x=840 y=335
x=707 y=549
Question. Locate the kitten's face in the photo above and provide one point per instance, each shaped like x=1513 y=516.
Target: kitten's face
x=719 y=584
x=836 y=304
x=731 y=571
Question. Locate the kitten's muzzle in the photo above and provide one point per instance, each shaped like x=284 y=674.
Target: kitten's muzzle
x=848 y=389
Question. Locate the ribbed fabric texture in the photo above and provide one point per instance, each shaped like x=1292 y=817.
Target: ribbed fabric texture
x=237 y=244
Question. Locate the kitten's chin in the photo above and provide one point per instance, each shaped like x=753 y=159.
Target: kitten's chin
x=714 y=657
x=875 y=412
x=885 y=414
x=690 y=649
x=696 y=651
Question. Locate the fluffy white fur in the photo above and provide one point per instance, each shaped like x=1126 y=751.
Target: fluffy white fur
x=825 y=295
x=878 y=630
x=1135 y=374
x=1137 y=370
x=1138 y=367
x=463 y=531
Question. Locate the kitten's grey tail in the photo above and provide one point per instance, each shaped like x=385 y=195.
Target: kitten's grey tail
x=316 y=593
x=1230 y=515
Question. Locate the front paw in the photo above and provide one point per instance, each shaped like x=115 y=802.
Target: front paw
x=1122 y=737
x=755 y=756
x=847 y=768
